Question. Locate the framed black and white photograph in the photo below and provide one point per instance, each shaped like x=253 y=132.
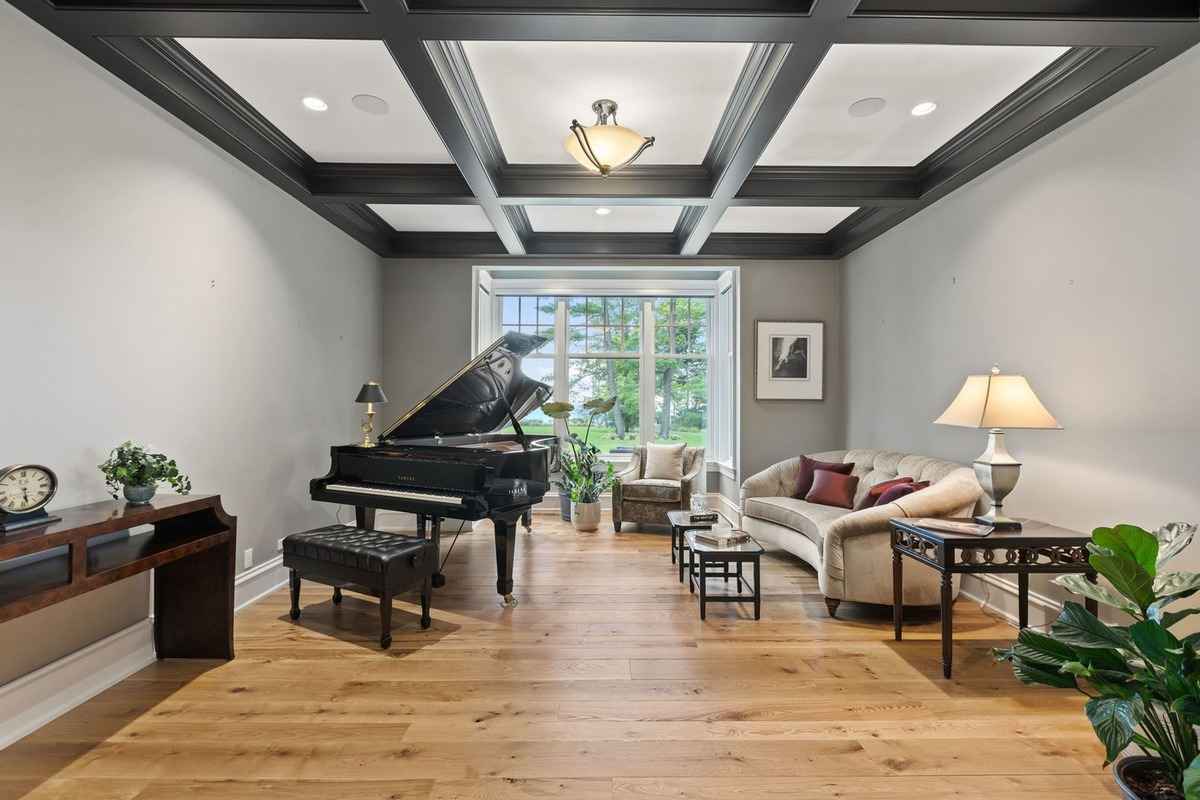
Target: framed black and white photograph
x=789 y=360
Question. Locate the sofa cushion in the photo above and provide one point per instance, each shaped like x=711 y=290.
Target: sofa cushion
x=808 y=466
x=654 y=490
x=894 y=493
x=832 y=489
x=875 y=492
x=664 y=461
x=808 y=519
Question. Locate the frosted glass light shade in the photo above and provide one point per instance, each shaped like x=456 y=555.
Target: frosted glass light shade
x=613 y=146
x=997 y=401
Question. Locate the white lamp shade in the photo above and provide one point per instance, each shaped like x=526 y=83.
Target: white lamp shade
x=997 y=401
x=612 y=145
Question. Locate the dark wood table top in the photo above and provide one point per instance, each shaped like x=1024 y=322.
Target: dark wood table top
x=1032 y=534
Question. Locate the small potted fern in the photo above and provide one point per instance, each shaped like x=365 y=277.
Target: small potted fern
x=132 y=471
x=1142 y=680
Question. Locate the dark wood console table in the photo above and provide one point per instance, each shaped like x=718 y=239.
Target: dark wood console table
x=191 y=551
x=1037 y=549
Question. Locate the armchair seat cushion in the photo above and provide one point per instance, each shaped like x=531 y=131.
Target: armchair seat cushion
x=809 y=519
x=652 y=490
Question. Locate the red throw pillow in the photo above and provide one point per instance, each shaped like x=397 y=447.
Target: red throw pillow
x=831 y=488
x=808 y=466
x=903 y=490
x=875 y=492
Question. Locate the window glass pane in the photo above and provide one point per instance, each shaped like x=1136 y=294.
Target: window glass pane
x=681 y=400
x=546 y=308
x=576 y=308
x=595 y=311
x=536 y=423
x=595 y=340
x=509 y=310
x=617 y=431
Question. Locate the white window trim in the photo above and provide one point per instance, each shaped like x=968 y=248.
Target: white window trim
x=724 y=433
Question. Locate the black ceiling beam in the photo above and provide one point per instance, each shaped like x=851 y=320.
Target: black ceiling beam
x=225 y=22
x=445 y=245
x=829 y=186
x=768 y=89
x=435 y=184
x=446 y=91
x=566 y=184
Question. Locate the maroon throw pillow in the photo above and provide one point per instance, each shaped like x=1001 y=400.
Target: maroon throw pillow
x=808 y=466
x=903 y=490
x=831 y=488
x=875 y=492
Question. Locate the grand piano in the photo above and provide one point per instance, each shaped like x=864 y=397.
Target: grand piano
x=444 y=458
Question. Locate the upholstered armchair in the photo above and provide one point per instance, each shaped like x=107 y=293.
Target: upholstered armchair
x=638 y=499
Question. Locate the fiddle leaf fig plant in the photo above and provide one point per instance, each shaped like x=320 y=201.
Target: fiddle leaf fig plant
x=1142 y=681
x=130 y=465
x=582 y=477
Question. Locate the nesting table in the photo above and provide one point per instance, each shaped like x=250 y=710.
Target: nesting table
x=707 y=562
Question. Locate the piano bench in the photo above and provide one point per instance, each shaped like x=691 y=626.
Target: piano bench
x=371 y=562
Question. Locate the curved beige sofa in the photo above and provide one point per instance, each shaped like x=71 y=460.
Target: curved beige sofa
x=851 y=550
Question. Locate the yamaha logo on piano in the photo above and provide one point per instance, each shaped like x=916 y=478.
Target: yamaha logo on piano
x=407 y=478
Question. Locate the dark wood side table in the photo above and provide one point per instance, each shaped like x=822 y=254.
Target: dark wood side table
x=1038 y=548
x=704 y=559
x=680 y=521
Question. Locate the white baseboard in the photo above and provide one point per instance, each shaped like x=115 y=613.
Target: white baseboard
x=43 y=695
x=999 y=595
x=258 y=582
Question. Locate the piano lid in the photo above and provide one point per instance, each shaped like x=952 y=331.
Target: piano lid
x=473 y=400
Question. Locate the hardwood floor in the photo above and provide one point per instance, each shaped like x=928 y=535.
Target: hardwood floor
x=602 y=685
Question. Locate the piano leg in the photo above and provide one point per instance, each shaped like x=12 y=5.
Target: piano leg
x=439 y=580
x=527 y=520
x=506 y=545
x=364 y=517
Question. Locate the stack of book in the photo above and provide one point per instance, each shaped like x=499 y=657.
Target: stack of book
x=722 y=537
x=702 y=517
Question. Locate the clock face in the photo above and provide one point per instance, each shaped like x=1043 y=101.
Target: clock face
x=25 y=488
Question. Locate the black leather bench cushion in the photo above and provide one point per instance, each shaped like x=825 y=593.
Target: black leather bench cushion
x=367 y=550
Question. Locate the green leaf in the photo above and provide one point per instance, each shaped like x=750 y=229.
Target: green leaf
x=1030 y=672
x=1041 y=649
x=1188 y=708
x=1191 y=780
x=557 y=410
x=1094 y=591
x=1168 y=619
x=600 y=405
x=1079 y=627
x=1124 y=573
x=1173 y=539
x=1114 y=721
x=1154 y=641
x=1177 y=585
x=1135 y=543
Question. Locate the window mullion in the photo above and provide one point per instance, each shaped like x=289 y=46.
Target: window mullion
x=646 y=374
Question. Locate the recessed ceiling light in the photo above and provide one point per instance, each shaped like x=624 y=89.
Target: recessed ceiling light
x=370 y=104
x=924 y=109
x=603 y=212
x=867 y=107
x=315 y=104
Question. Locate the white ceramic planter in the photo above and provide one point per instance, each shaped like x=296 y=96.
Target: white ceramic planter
x=585 y=516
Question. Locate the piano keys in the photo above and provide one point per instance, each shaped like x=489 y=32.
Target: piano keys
x=444 y=457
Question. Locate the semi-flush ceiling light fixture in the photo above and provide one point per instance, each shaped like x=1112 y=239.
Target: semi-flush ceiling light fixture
x=606 y=146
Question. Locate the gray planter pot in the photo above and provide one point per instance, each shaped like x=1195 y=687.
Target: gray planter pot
x=1134 y=765
x=139 y=495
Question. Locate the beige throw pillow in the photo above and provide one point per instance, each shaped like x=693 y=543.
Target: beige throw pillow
x=664 y=461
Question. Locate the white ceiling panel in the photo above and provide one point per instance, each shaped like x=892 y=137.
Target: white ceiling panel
x=675 y=92
x=274 y=75
x=965 y=81
x=433 y=218
x=620 y=219
x=778 y=219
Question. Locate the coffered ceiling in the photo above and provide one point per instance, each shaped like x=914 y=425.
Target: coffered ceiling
x=784 y=128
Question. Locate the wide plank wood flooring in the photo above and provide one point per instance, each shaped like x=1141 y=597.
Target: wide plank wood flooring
x=602 y=685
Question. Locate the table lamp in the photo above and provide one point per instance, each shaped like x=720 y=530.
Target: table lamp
x=370 y=393
x=995 y=402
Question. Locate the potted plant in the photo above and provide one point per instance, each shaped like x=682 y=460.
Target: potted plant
x=1141 y=680
x=584 y=477
x=137 y=473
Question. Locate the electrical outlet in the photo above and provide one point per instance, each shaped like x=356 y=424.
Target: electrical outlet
x=279 y=545
x=248 y=558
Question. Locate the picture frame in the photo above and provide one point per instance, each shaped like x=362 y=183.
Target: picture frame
x=789 y=360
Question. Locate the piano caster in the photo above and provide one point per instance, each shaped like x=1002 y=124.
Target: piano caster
x=295 y=614
x=385 y=642
x=439 y=580
x=508 y=601
x=337 y=596
x=527 y=521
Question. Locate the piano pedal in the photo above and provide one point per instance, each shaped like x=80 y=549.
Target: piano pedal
x=508 y=601
x=439 y=580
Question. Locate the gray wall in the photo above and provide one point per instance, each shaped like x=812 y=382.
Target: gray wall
x=153 y=288
x=427 y=330
x=1074 y=264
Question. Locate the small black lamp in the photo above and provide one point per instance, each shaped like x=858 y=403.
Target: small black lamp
x=370 y=393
